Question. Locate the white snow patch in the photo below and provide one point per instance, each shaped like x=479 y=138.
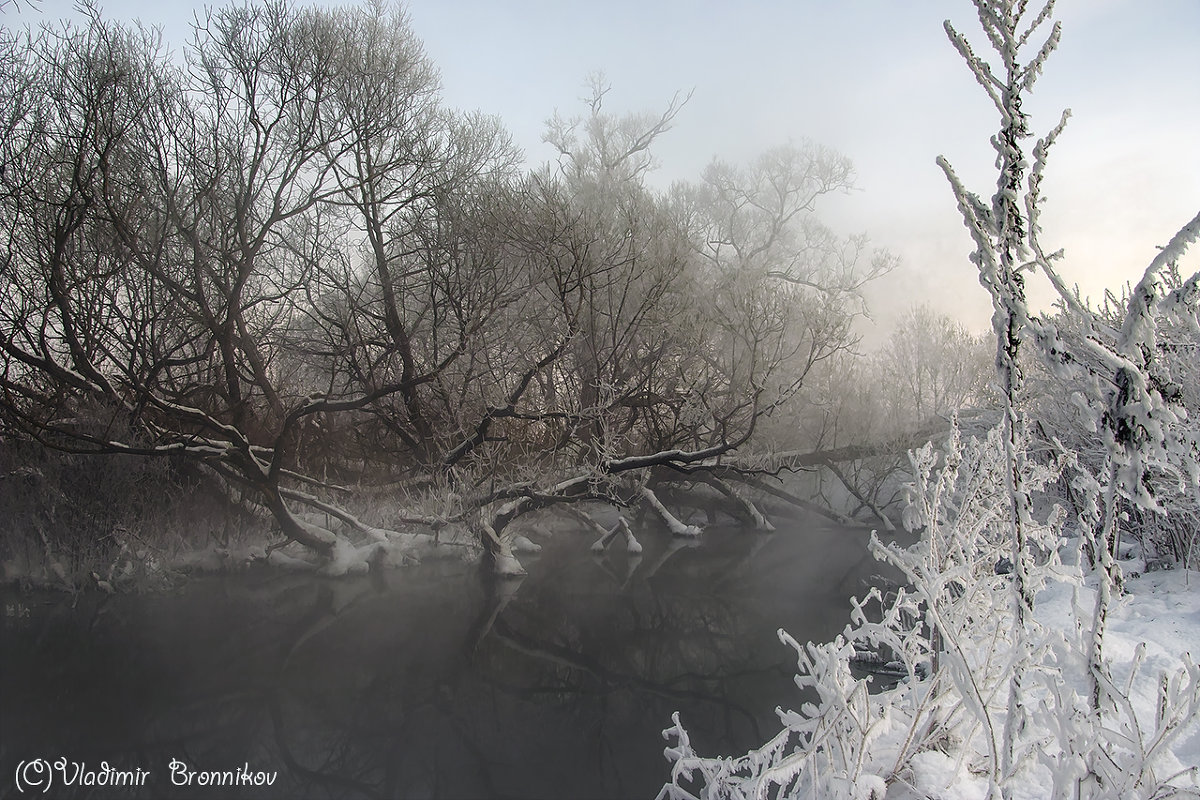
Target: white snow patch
x=674 y=525
x=870 y=787
x=507 y=565
x=348 y=559
x=940 y=777
x=521 y=544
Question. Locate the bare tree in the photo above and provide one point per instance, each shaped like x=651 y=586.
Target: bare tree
x=932 y=366
x=167 y=228
x=285 y=260
x=694 y=315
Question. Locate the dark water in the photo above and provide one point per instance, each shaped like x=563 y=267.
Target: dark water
x=432 y=682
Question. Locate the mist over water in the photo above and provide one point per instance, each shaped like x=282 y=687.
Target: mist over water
x=427 y=681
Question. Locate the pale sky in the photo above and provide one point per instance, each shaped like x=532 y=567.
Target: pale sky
x=874 y=79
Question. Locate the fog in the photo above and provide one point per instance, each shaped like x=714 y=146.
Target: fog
x=878 y=82
x=875 y=80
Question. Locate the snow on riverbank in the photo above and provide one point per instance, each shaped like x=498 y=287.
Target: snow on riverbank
x=1161 y=614
x=923 y=740
x=1155 y=626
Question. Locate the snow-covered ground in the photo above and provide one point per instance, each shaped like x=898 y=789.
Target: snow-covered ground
x=1156 y=625
x=926 y=740
x=1160 y=614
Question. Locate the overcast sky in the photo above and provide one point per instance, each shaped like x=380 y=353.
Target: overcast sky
x=875 y=79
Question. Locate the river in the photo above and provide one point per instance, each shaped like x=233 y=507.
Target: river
x=426 y=681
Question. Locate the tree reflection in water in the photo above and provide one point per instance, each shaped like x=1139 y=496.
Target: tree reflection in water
x=435 y=680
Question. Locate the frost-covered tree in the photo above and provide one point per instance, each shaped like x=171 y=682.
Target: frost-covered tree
x=694 y=315
x=1114 y=370
x=1029 y=703
x=1000 y=230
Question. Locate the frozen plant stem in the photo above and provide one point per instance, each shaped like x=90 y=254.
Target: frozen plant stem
x=999 y=233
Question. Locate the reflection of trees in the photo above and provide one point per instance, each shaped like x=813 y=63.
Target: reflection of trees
x=438 y=683
x=606 y=679
x=527 y=670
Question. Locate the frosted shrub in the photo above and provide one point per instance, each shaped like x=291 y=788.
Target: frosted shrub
x=951 y=634
x=1075 y=399
x=842 y=745
x=848 y=743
